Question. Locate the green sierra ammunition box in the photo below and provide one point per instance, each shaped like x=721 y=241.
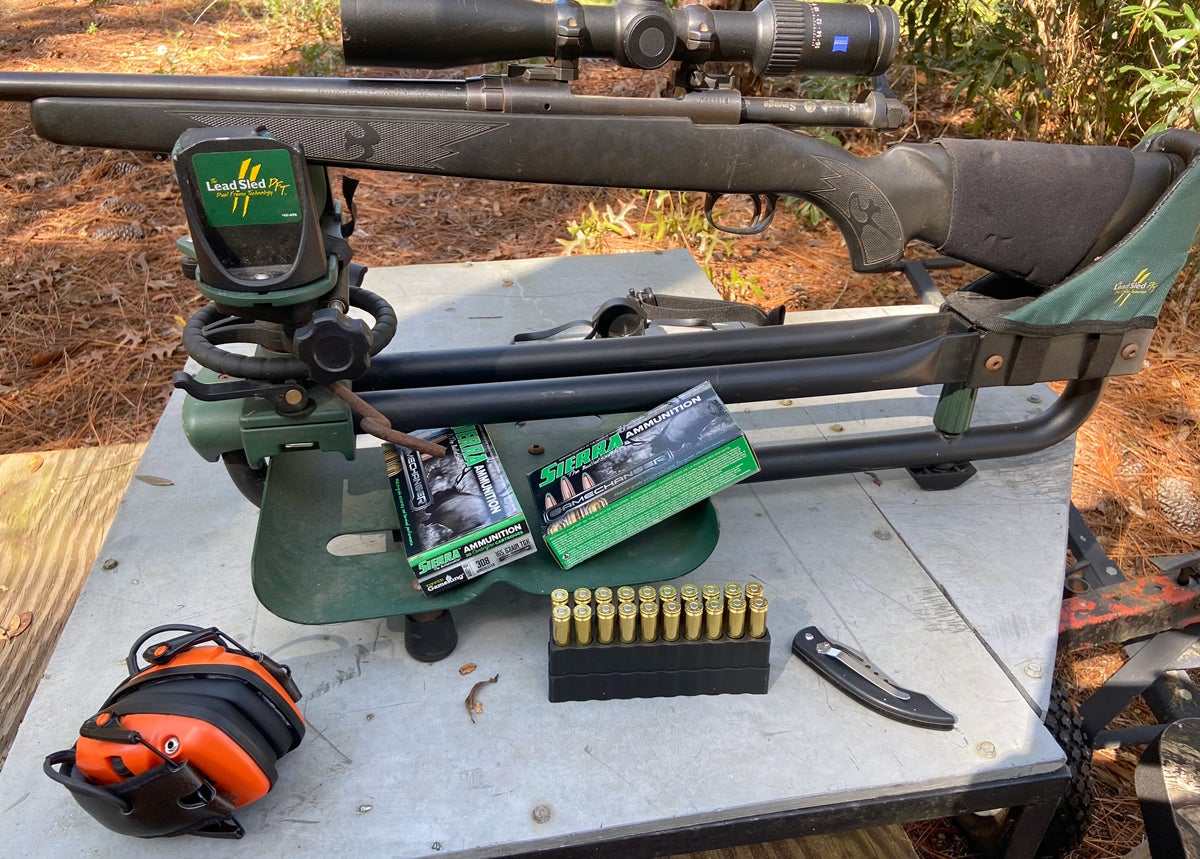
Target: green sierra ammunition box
x=458 y=515
x=648 y=469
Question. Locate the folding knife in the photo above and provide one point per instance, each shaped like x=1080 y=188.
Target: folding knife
x=855 y=675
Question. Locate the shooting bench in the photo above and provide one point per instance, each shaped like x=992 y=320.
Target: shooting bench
x=955 y=594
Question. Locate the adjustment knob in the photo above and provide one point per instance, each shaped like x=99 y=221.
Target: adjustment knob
x=333 y=345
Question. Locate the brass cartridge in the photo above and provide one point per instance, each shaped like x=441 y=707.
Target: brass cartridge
x=666 y=593
x=714 y=614
x=606 y=622
x=732 y=589
x=626 y=594
x=709 y=592
x=736 y=608
x=583 y=596
x=583 y=624
x=752 y=590
x=758 y=617
x=602 y=595
x=693 y=620
x=559 y=596
x=648 y=593
x=687 y=593
x=649 y=614
x=627 y=616
x=561 y=616
x=671 y=611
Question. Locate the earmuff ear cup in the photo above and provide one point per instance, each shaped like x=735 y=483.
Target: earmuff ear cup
x=211 y=751
x=276 y=727
x=276 y=707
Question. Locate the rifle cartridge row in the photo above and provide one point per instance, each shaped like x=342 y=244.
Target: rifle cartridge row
x=665 y=613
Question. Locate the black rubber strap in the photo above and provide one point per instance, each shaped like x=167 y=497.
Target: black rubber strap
x=349 y=186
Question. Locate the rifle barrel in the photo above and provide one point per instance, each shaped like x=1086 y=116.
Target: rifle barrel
x=487 y=93
x=364 y=92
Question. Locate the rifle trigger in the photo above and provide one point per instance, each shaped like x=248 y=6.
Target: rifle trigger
x=764 y=212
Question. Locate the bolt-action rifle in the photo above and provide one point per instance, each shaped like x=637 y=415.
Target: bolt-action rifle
x=1081 y=243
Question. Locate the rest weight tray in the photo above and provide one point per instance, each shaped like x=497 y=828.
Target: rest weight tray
x=312 y=498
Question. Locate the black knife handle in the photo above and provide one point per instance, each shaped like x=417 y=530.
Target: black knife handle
x=917 y=709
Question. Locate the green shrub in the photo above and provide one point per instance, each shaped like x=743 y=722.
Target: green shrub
x=1091 y=71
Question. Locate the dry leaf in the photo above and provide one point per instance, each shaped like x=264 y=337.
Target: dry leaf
x=17 y=624
x=154 y=481
x=467 y=669
x=474 y=706
x=159 y=353
x=35 y=462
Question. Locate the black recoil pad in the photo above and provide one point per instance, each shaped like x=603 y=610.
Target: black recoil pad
x=1032 y=210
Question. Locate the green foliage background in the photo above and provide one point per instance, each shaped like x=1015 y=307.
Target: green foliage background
x=1088 y=71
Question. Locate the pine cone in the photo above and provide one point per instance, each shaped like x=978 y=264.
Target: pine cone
x=124 y=233
x=118 y=206
x=1179 y=504
x=124 y=168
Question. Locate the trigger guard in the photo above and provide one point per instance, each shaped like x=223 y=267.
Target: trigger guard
x=764 y=213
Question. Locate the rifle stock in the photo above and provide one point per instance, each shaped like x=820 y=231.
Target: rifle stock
x=960 y=200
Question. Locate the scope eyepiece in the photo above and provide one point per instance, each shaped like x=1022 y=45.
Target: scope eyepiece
x=779 y=37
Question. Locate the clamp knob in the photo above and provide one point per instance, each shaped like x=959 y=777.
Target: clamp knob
x=333 y=345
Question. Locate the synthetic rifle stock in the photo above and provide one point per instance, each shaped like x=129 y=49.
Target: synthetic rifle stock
x=535 y=131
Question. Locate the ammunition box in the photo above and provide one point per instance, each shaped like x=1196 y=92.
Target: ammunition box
x=459 y=517
x=658 y=669
x=650 y=468
x=659 y=649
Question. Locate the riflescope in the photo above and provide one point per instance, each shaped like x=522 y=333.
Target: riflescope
x=779 y=37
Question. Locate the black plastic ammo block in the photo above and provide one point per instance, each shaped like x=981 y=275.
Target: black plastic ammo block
x=656 y=669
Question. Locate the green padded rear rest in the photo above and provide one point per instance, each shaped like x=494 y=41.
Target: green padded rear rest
x=1121 y=291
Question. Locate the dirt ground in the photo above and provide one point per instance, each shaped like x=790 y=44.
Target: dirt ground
x=92 y=302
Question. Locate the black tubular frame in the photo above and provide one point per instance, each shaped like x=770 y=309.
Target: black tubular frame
x=534 y=381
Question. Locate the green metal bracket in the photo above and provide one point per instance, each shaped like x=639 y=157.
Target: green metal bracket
x=252 y=424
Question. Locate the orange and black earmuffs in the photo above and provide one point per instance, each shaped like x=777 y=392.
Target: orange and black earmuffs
x=184 y=741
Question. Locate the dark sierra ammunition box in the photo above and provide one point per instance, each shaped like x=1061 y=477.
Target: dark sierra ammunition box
x=648 y=469
x=459 y=517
